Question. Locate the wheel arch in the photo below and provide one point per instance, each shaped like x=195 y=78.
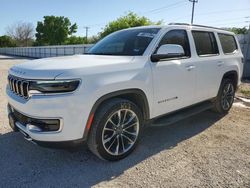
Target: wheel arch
x=136 y=96
x=233 y=75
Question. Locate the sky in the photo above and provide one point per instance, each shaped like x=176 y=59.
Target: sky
x=97 y=13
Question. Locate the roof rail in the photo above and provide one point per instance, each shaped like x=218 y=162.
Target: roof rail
x=197 y=25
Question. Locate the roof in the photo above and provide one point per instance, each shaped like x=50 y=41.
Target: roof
x=187 y=26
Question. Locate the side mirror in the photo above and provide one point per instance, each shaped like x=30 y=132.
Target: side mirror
x=168 y=51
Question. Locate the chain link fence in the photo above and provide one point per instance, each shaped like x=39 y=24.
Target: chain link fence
x=244 y=41
x=46 y=51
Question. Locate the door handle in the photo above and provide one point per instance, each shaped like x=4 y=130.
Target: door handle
x=190 y=67
x=220 y=63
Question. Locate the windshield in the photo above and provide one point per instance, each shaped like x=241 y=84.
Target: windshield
x=128 y=42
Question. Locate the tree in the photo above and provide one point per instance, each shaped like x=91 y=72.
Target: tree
x=93 y=39
x=236 y=30
x=75 y=40
x=7 y=41
x=129 y=20
x=54 y=30
x=22 y=33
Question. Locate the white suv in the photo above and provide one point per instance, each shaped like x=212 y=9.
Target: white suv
x=135 y=77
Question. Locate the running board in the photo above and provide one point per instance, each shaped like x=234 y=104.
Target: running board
x=182 y=114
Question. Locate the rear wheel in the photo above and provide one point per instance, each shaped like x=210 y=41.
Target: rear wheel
x=225 y=97
x=115 y=130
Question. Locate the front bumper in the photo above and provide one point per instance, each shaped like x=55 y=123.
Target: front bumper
x=65 y=108
x=17 y=125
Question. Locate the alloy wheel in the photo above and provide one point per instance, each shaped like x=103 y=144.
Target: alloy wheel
x=120 y=132
x=227 y=96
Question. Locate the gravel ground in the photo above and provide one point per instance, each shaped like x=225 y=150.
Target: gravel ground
x=206 y=150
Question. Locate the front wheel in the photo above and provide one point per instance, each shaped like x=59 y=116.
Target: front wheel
x=115 y=130
x=225 y=97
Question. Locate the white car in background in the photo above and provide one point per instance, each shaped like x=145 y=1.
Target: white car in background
x=152 y=75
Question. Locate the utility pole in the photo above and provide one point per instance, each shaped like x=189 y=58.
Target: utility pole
x=87 y=29
x=193 y=1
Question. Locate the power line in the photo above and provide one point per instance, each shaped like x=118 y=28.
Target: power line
x=223 y=20
x=241 y=22
x=171 y=8
x=215 y=12
x=223 y=11
x=98 y=24
x=157 y=10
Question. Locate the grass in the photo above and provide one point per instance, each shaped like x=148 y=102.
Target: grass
x=245 y=92
x=244 y=89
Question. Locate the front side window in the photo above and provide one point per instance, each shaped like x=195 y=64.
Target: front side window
x=132 y=42
x=205 y=43
x=177 y=37
x=228 y=43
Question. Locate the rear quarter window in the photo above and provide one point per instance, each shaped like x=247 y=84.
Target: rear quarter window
x=205 y=43
x=228 y=43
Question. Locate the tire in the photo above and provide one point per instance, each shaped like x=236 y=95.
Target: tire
x=225 y=97
x=108 y=130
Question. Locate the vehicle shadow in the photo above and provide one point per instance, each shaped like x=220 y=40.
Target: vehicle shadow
x=23 y=163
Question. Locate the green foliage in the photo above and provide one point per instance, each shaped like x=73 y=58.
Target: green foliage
x=54 y=30
x=6 y=41
x=75 y=40
x=245 y=92
x=129 y=20
x=93 y=39
x=236 y=30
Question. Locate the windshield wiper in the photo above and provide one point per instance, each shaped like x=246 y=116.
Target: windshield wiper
x=101 y=53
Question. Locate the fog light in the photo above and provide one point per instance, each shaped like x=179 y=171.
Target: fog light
x=50 y=124
x=33 y=128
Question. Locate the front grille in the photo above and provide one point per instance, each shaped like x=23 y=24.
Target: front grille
x=19 y=86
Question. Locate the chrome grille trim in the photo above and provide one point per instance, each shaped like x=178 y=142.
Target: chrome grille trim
x=19 y=86
x=16 y=85
x=10 y=85
x=22 y=94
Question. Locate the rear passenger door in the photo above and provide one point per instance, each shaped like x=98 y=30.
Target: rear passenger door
x=208 y=64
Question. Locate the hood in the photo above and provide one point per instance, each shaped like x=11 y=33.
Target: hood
x=50 y=68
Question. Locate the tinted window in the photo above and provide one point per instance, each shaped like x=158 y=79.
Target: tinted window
x=205 y=43
x=228 y=43
x=177 y=37
x=128 y=42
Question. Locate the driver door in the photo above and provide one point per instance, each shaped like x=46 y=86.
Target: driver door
x=174 y=78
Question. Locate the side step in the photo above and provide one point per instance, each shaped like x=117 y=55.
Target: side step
x=182 y=114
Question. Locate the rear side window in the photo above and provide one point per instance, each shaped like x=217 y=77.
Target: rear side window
x=205 y=43
x=179 y=37
x=228 y=43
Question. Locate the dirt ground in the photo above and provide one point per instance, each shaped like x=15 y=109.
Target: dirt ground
x=206 y=150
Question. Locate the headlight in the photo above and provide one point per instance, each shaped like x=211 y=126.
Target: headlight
x=53 y=86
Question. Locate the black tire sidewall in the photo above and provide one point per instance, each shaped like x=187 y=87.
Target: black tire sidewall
x=219 y=107
x=101 y=123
